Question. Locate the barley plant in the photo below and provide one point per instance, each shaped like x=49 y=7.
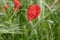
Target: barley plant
x=15 y=26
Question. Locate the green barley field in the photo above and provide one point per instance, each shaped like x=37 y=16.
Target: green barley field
x=15 y=26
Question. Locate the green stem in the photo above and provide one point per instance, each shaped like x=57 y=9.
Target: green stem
x=12 y=16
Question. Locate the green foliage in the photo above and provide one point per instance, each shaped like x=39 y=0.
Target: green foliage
x=15 y=26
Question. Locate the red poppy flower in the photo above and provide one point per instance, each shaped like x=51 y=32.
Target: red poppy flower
x=16 y=5
x=33 y=12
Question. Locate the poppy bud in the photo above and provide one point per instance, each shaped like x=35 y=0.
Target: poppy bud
x=4 y=7
x=33 y=12
x=49 y=6
x=56 y=2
